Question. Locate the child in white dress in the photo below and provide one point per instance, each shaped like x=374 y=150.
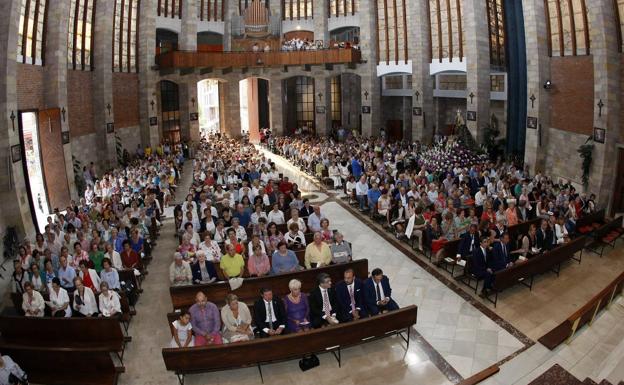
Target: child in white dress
x=182 y=331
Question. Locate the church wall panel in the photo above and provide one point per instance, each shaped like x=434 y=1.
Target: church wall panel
x=30 y=91
x=80 y=103
x=126 y=99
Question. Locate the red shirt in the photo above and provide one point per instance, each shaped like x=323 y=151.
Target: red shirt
x=130 y=258
x=285 y=187
x=87 y=281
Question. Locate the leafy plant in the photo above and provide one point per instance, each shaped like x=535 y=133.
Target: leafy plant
x=586 y=152
x=119 y=150
x=10 y=242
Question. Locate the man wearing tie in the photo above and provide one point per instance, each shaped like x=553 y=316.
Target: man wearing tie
x=269 y=314
x=501 y=258
x=469 y=242
x=324 y=306
x=377 y=293
x=479 y=265
x=350 y=294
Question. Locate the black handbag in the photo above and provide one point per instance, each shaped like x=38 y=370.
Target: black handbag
x=13 y=379
x=308 y=362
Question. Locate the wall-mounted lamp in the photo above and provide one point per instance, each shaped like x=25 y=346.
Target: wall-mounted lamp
x=12 y=119
x=548 y=85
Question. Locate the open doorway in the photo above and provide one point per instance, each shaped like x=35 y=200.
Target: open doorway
x=209 y=106
x=254 y=107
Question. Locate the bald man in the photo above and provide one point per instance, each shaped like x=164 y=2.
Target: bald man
x=206 y=321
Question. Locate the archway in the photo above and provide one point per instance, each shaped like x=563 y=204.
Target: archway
x=209 y=106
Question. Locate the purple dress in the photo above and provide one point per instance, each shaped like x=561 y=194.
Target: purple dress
x=297 y=312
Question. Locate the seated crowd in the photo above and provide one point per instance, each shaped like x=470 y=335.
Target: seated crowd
x=351 y=299
x=241 y=219
x=431 y=195
x=95 y=253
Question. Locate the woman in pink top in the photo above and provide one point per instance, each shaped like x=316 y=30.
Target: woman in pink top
x=511 y=215
x=258 y=263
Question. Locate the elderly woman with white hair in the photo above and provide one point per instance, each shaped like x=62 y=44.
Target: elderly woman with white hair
x=180 y=273
x=340 y=249
x=236 y=319
x=203 y=270
x=297 y=308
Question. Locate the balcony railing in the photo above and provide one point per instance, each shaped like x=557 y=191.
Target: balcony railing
x=193 y=59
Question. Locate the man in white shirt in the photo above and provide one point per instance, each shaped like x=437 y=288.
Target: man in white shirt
x=480 y=197
x=314 y=220
x=269 y=314
x=361 y=192
x=32 y=302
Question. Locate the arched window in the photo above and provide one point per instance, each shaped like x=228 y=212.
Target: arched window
x=339 y=8
x=125 y=36
x=568 y=27
x=80 y=34
x=392 y=30
x=619 y=14
x=297 y=9
x=447 y=30
x=31 y=40
x=496 y=29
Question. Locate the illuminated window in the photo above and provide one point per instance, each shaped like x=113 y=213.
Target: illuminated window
x=452 y=82
x=297 y=9
x=392 y=31
x=305 y=102
x=568 y=26
x=497 y=83
x=336 y=99
x=170 y=8
x=80 y=34
x=447 y=30
x=125 y=36
x=31 y=40
x=210 y=10
x=496 y=27
x=170 y=104
x=619 y=14
x=339 y=8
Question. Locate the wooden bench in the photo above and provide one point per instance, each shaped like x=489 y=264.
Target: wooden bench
x=525 y=272
x=450 y=251
x=54 y=366
x=605 y=235
x=184 y=296
x=588 y=223
x=93 y=334
x=256 y=352
x=522 y=229
x=585 y=315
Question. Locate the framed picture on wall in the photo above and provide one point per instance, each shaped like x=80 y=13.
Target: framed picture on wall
x=16 y=153
x=110 y=128
x=366 y=109
x=532 y=122
x=599 y=135
x=153 y=121
x=417 y=111
x=65 y=137
x=320 y=109
x=194 y=116
x=471 y=115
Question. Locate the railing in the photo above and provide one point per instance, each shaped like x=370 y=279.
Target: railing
x=191 y=59
x=586 y=314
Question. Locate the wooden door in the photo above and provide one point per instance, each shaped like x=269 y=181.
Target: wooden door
x=394 y=130
x=618 y=193
x=53 y=159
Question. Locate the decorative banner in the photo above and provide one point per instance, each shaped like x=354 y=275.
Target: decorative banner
x=471 y=115
x=65 y=137
x=417 y=111
x=599 y=135
x=153 y=121
x=532 y=123
x=366 y=109
x=320 y=109
x=193 y=116
x=110 y=128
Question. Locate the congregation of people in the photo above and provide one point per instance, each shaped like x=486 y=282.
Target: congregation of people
x=430 y=195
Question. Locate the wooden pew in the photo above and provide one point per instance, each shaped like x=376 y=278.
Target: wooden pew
x=587 y=223
x=101 y=334
x=525 y=272
x=585 y=315
x=332 y=339
x=450 y=251
x=184 y=296
x=522 y=228
x=58 y=366
x=605 y=235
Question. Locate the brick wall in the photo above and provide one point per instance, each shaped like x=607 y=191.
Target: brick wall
x=621 y=136
x=80 y=103
x=572 y=95
x=30 y=87
x=126 y=99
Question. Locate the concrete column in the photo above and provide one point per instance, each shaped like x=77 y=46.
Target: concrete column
x=103 y=106
x=538 y=71
x=231 y=11
x=319 y=15
x=276 y=101
x=606 y=88
x=56 y=75
x=187 y=39
x=148 y=78
x=232 y=108
x=322 y=121
x=422 y=84
x=370 y=84
x=14 y=206
x=478 y=65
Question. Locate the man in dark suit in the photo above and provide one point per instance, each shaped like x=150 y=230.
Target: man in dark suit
x=324 y=306
x=545 y=236
x=501 y=254
x=479 y=265
x=350 y=294
x=269 y=314
x=469 y=242
x=522 y=212
x=378 y=294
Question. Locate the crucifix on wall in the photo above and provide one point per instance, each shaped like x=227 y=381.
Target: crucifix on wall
x=320 y=96
x=108 y=107
x=600 y=105
x=532 y=99
x=472 y=95
x=417 y=94
x=366 y=94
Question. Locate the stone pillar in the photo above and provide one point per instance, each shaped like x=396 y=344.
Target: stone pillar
x=322 y=121
x=370 y=84
x=319 y=14
x=56 y=75
x=276 y=101
x=231 y=11
x=187 y=39
x=14 y=206
x=606 y=89
x=422 y=84
x=103 y=108
x=478 y=65
x=232 y=109
x=148 y=78
x=406 y=117
x=538 y=71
